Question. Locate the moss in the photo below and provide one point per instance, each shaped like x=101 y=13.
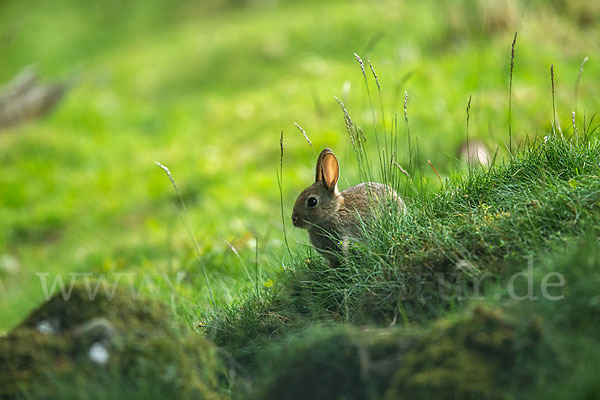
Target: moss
x=475 y=357
x=21 y=359
x=342 y=362
x=50 y=354
x=126 y=312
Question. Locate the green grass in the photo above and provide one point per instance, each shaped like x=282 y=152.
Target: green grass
x=207 y=89
x=494 y=348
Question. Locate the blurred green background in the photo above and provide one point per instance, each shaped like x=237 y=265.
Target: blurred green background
x=206 y=88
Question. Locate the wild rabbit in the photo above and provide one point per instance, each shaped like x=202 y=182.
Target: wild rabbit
x=333 y=218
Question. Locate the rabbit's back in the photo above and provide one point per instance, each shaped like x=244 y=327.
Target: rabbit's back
x=364 y=196
x=361 y=202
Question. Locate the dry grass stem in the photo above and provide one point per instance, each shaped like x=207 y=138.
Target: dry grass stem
x=375 y=75
x=348 y=121
x=362 y=65
x=585 y=60
x=436 y=172
x=553 y=99
x=186 y=222
x=468 y=117
x=280 y=183
x=305 y=136
x=512 y=66
x=400 y=168
x=406 y=106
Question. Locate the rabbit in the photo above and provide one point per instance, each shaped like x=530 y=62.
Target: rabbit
x=331 y=217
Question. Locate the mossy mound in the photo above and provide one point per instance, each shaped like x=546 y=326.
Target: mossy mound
x=85 y=302
x=336 y=362
x=111 y=346
x=475 y=356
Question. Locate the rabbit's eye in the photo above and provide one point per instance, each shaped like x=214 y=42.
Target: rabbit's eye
x=312 y=201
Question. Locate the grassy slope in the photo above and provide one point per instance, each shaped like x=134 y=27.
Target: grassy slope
x=478 y=229
x=365 y=329
x=496 y=348
x=196 y=88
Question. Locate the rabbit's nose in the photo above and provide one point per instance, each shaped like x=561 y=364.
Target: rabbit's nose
x=294 y=219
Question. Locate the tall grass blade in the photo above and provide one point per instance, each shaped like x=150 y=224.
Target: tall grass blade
x=280 y=184
x=186 y=222
x=512 y=65
x=585 y=60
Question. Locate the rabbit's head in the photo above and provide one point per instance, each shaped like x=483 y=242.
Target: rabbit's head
x=318 y=204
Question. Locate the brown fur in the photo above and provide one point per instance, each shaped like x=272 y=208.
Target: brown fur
x=336 y=217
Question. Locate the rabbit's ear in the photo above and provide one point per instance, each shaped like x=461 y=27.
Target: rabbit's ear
x=330 y=171
x=319 y=170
